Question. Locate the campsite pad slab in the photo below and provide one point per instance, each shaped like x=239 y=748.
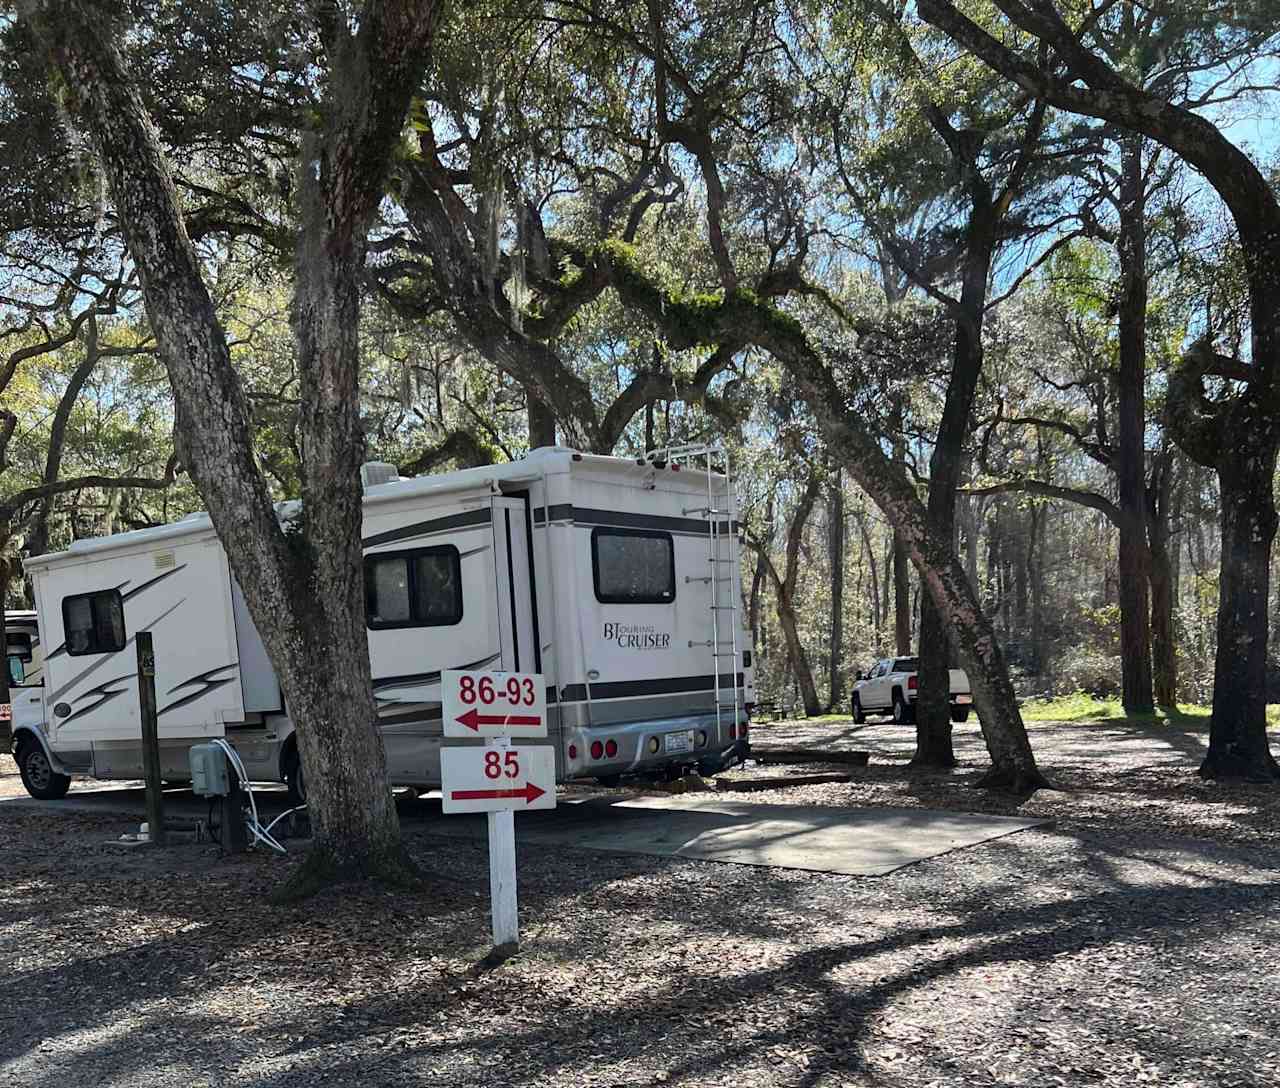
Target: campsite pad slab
x=855 y=842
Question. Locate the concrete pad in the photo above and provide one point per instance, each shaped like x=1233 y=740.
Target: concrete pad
x=706 y=827
x=854 y=842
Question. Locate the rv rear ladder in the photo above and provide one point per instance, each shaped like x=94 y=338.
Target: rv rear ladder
x=722 y=550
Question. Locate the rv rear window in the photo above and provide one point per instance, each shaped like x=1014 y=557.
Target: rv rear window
x=419 y=588
x=94 y=623
x=632 y=567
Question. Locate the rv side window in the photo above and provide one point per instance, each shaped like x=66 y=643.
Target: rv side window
x=632 y=567
x=19 y=645
x=419 y=588
x=94 y=623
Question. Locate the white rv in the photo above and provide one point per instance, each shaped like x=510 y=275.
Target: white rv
x=617 y=579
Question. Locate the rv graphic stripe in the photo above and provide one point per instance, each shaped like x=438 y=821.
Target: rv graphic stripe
x=419 y=678
x=147 y=585
x=625 y=689
x=583 y=515
x=207 y=682
x=428 y=528
x=104 y=693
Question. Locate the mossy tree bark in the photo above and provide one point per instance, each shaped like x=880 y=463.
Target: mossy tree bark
x=303 y=585
x=741 y=317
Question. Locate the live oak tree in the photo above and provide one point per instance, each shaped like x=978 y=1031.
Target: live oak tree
x=1236 y=431
x=302 y=580
x=685 y=73
x=980 y=175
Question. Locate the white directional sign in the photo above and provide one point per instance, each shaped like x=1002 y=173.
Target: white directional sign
x=498 y=779
x=494 y=704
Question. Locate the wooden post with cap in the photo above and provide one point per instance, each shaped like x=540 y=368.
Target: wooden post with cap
x=150 y=737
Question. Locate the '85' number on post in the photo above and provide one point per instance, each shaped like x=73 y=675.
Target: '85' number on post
x=501 y=764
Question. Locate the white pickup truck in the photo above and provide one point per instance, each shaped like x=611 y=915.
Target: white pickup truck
x=890 y=687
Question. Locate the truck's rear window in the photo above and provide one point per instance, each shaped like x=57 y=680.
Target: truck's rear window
x=907 y=664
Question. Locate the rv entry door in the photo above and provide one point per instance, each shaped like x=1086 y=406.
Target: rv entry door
x=513 y=579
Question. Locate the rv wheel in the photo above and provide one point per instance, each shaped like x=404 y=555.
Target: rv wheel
x=294 y=780
x=38 y=775
x=610 y=781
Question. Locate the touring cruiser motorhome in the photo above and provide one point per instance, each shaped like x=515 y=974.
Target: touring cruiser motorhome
x=616 y=579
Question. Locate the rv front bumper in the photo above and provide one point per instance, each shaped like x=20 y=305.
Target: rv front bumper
x=622 y=748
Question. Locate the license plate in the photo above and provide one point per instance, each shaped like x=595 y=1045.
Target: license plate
x=964 y=698
x=677 y=742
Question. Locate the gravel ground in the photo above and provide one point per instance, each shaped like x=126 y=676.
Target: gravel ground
x=1129 y=944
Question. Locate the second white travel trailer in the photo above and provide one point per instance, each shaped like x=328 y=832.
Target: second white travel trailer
x=617 y=579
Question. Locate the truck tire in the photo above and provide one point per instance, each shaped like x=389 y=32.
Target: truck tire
x=38 y=775
x=859 y=715
x=903 y=712
x=959 y=713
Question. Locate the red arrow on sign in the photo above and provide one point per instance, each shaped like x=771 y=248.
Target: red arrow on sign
x=528 y=791
x=473 y=719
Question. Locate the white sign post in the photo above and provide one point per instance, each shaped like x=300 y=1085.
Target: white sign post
x=498 y=779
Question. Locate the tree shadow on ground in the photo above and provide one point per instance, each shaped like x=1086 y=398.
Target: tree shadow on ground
x=835 y=991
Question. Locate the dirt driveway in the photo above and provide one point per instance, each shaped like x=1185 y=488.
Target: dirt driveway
x=1131 y=943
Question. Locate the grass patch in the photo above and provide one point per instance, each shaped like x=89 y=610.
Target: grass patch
x=1082 y=707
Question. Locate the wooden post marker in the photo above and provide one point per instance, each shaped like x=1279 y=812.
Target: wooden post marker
x=498 y=779
x=150 y=737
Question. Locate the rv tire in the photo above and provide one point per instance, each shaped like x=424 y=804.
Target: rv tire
x=609 y=781
x=38 y=775
x=294 y=780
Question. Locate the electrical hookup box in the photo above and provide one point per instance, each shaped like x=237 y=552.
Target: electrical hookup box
x=210 y=772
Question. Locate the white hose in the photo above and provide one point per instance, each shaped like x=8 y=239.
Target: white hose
x=260 y=834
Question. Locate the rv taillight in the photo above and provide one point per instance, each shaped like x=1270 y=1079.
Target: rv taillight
x=597 y=749
x=675 y=468
x=912 y=683
x=573 y=751
x=702 y=738
x=611 y=748
x=653 y=745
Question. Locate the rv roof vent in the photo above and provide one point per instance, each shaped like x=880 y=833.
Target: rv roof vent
x=166 y=560
x=373 y=473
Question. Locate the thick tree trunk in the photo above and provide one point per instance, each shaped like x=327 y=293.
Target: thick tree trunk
x=304 y=590
x=542 y=421
x=6 y=696
x=1134 y=558
x=835 y=519
x=933 y=705
x=1238 y=746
